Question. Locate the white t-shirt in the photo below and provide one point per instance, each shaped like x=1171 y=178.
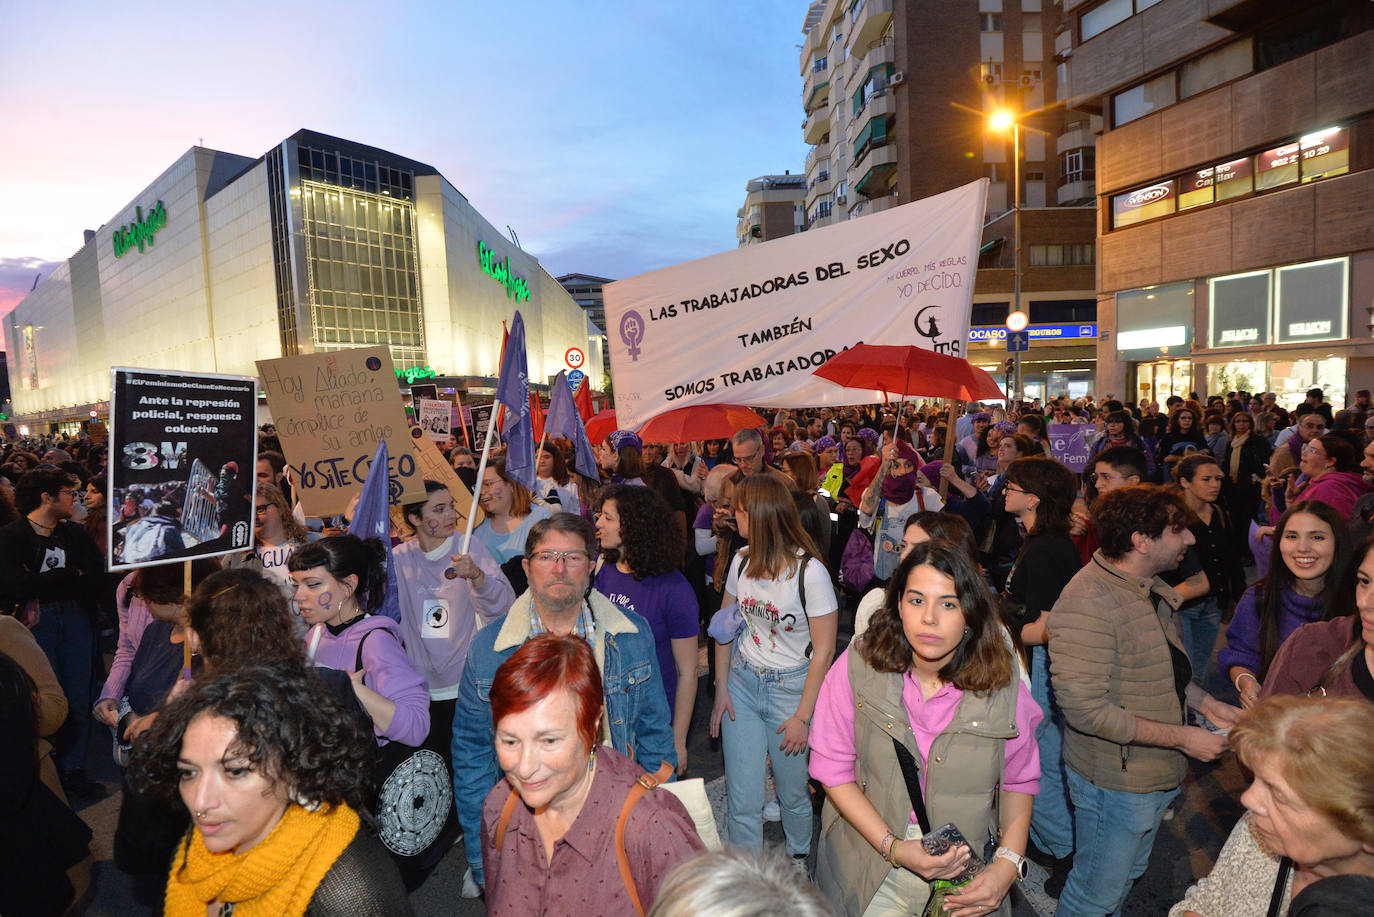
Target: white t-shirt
x=775 y=636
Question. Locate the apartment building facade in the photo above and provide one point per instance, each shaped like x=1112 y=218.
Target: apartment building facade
x=773 y=207
x=1234 y=172
x=897 y=96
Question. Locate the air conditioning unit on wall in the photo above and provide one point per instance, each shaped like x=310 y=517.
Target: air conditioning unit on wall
x=898 y=78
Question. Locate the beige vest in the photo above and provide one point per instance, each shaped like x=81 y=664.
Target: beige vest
x=962 y=780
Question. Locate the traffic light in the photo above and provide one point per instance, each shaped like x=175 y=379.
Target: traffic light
x=1009 y=367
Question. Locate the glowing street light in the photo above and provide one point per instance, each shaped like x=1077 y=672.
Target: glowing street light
x=999 y=122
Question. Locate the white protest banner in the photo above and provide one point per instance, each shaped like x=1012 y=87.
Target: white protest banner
x=435 y=419
x=330 y=410
x=749 y=326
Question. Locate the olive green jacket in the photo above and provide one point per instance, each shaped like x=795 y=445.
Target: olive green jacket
x=963 y=776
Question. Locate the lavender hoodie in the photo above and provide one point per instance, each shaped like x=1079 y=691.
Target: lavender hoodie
x=1242 y=636
x=386 y=669
x=439 y=615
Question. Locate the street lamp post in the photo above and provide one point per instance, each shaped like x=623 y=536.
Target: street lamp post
x=1000 y=121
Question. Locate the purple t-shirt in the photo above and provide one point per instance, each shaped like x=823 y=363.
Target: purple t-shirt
x=667 y=602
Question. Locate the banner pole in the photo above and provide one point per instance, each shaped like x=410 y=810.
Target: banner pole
x=186 y=640
x=481 y=470
x=955 y=406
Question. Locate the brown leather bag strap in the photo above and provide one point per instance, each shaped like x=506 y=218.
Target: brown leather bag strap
x=644 y=784
x=504 y=820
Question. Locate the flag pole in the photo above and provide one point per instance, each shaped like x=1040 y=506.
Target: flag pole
x=481 y=470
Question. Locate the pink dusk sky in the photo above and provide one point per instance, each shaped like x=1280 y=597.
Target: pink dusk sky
x=613 y=137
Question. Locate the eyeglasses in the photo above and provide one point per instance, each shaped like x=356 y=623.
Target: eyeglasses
x=571 y=559
x=261 y=510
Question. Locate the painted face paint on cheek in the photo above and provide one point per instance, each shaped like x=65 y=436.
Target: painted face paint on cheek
x=433 y=526
x=325 y=599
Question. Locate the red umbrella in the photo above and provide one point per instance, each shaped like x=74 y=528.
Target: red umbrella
x=910 y=371
x=700 y=421
x=601 y=425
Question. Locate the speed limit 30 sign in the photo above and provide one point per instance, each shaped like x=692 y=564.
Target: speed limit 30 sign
x=574 y=358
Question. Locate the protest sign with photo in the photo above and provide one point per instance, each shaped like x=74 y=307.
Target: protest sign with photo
x=1069 y=444
x=749 y=326
x=183 y=453
x=480 y=415
x=435 y=418
x=330 y=410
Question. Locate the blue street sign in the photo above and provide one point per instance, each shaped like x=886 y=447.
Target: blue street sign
x=1075 y=331
x=575 y=378
x=1018 y=341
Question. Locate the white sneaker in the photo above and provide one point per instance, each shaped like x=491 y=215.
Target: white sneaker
x=771 y=811
x=470 y=887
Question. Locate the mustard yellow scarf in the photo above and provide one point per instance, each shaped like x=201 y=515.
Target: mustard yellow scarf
x=276 y=878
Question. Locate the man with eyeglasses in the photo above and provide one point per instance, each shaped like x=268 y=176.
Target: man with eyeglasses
x=49 y=565
x=1287 y=455
x=558 y=561
x=1114 y=468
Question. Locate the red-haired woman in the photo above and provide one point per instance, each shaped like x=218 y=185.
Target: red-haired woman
x=549 y=843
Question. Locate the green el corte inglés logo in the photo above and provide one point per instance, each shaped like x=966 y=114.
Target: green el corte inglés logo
x=499 y=271
x=140 y=232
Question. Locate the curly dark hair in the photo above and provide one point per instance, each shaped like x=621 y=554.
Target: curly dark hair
x=165 y=584
x=241 y=617
x=650 y=545
x=982 y=663
x=291 y=726
x=1144 y=508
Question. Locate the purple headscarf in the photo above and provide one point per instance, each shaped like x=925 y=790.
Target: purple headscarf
x=899 y=488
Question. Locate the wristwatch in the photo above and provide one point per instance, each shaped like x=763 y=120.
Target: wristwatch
x=1014 y=858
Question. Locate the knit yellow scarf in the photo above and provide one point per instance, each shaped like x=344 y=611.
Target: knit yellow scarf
x=275 y=878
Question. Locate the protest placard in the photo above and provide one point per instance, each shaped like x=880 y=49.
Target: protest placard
x=330 y=410
x=480 y=416
x=435 y=418
x=183 y=453
x=433 y=467
x=1069 y=444
x=749 y=326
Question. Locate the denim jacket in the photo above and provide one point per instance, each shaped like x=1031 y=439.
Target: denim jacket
x=637 y=718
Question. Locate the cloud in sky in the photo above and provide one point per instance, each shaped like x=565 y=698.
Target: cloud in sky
x=17 y=278
x=613 y=137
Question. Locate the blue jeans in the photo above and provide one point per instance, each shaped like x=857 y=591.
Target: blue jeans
x=1199 y=626
x=1051 y=825
x=1116 y=831
x=762 y=699
x=65 y=634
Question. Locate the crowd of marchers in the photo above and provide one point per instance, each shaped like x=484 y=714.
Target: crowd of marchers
x=955 y=646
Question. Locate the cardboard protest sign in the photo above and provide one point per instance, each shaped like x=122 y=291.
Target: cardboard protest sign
x=434 y=468
x=183 y=457
x=749 y=326
x=1069 y=444
x=435 y=418
x=330 y=410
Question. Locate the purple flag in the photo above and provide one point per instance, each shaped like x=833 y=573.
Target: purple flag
x=372 y=519
x=513 y=391
x=564 y=421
